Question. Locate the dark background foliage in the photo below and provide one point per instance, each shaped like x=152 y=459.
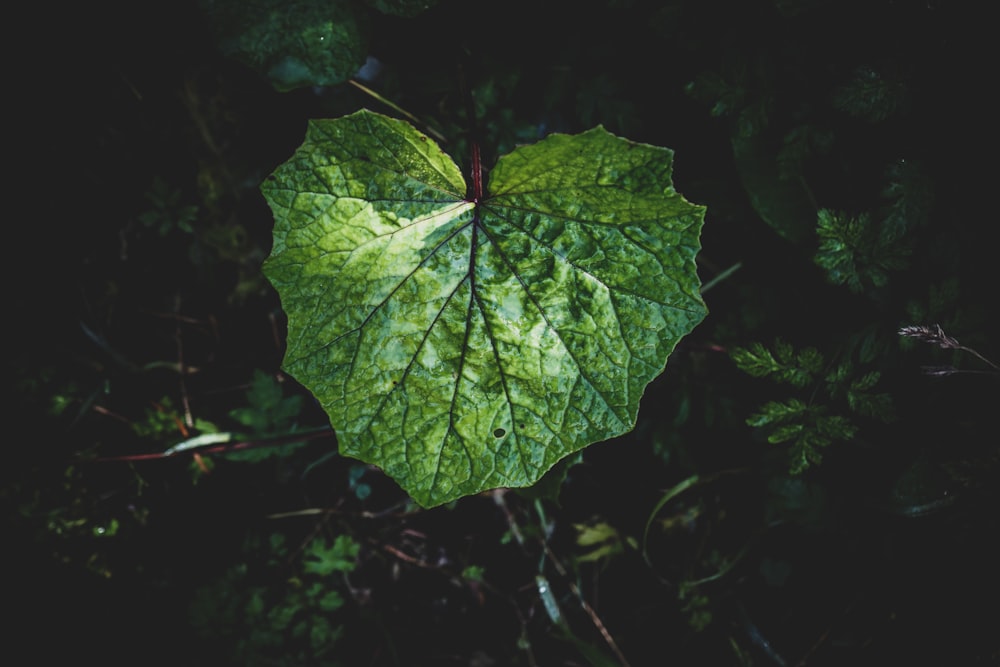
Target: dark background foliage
x=137 y=317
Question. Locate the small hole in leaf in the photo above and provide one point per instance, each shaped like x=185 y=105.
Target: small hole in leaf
x=499 y=433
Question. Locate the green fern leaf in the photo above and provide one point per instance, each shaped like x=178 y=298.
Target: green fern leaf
x=867 y=404
x=835 y=427
x=854 y=251
x=783 y=363
x=910 y=195
x=786 y=433
x=808 y=428
x=870 y=95
x=776 y=412
x=756 y=360
x=805 y=452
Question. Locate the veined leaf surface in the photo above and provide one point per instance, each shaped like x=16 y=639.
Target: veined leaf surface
x=464 y=339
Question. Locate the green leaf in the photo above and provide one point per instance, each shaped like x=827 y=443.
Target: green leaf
x=784 y=204
x=464 y=343
x=339 y=557
x=854 y=252
x=784 y=363
x=910 y=194
x=294 y=43
x=755 y=360
x=861 y=400
x=870 y=95
x=785 y=432
x=269 y=411
x=597 y=541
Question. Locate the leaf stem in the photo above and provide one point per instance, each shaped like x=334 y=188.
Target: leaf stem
x=722 y=276
x=477 y=174
x=470 y=111
x=398 y=109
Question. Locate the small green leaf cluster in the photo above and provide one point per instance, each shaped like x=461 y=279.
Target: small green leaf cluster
x=698 y=611
x=782 y=362
x=857 y=252
x=304 y=42
x=809 y=429
x=166 y=211
x=268 y=410
x=734 y=93
x=291 y=620
x=323 y=559
x=780 y=143
x=861 y=250
x=870 y=94
x=159 y=422
x=809 y=426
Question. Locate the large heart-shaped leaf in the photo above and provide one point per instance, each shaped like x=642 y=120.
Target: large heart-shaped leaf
x=468 y=341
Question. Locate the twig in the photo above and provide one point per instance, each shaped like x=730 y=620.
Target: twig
x=594 y=618
x=498 y=498
x=393 y=511
x=722 y=276
x=178 y=339
x=215 y=443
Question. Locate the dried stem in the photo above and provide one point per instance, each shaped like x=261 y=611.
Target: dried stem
x=935 y=335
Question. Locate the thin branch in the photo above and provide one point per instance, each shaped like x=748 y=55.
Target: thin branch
x=181 y=367
x=398 y=109
x=722 y=276
x=594 y=618
x=220 y=443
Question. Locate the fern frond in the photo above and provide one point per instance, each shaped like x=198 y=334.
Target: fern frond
x=815 y=436
x=870 y=95
x=835 y=427
x=910 y=195
x=777 y=412
x=807 y=428
x=784 y=363
x=836 y=377
x=805 y=452
x=854 y=251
